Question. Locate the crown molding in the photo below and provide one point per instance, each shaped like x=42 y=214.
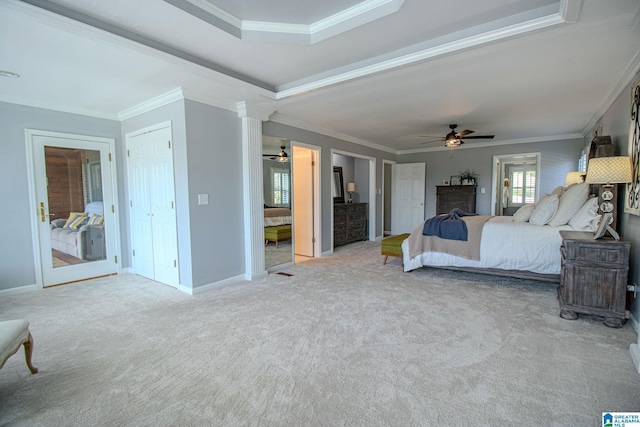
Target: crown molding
x=424 y=54
x=279 y=118
x=57 y=107
x=152 y=104
x=254 y=110
x=629 y=75
x=291 y=33
x=496 y=143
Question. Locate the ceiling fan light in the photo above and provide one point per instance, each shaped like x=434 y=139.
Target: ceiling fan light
x=283 y=157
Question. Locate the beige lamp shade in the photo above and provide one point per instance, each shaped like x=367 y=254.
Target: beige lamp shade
x=351 y=187
x=609 y=170
x=574 y=178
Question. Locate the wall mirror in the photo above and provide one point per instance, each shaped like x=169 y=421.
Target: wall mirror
x=278 y=219
x=338 y=186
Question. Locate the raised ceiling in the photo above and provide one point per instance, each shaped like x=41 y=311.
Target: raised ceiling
x=523 y=70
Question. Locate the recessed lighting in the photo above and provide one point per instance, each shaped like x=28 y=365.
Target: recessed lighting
x=10 y=74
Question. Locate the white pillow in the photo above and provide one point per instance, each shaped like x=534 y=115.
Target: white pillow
x=570 y=203
x=586 y=217
x=545 y=209
x=559 y=191
x=524 y=213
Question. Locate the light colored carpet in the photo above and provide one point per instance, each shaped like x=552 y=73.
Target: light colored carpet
x=344 y=341
x=275 y=256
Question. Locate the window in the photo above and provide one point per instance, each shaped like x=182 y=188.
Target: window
x=523 y=185
x=280 y=185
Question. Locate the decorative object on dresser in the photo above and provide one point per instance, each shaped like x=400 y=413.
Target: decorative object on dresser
x=338 y=185
x=351 y=188
x=609 y=171
x=449 y=197
x=349 y=223
x=594 y=277
x=468 y=177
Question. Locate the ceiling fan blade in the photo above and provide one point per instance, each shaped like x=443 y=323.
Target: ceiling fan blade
x=480 y=137
x=464 y=132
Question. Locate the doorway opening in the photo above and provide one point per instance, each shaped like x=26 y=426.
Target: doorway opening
x=515 y=182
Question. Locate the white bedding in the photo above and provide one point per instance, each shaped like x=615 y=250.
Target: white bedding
x=506 y=245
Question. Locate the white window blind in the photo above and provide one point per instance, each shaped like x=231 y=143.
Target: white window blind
x=280 y=180
x=523 y=185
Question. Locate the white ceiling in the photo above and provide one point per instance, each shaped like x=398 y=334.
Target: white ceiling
x=384 y=73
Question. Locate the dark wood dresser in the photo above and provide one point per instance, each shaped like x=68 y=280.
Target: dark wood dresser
x=594 y=277
x=349 y=223
x=449 y=197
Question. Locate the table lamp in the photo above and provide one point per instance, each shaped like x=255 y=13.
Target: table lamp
x=351 y=188
x=608 y=171
x=574 y=178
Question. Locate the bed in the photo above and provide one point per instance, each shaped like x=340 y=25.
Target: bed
x=524 y=245
x=276 y=216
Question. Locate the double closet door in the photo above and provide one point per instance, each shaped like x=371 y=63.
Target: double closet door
x=152 y=204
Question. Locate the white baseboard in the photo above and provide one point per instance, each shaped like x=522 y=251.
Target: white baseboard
x=19 y=290
x=634 y=350
x=327 y=253
x=215 y=285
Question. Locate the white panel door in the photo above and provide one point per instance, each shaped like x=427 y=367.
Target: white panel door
x=140 y=207
x=303 y=201
x=408 y=197
x=153 y=214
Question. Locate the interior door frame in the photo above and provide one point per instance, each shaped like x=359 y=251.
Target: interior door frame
x=317 y=191
x=498 y=174
x=371 y=190
x=384 y=192
x=33 y=200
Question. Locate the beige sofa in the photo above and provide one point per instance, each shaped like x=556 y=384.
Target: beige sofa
x=73 y=241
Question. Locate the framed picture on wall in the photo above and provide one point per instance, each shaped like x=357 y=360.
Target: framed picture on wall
x=445 y=182
x=632 y=193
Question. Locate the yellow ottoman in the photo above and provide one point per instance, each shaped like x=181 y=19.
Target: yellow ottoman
x=277 y=233
x=391 y=246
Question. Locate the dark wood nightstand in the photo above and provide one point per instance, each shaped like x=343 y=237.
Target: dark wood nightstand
x=594 y=277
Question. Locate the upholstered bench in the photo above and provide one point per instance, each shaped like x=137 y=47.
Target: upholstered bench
x=391 y=246
x=277 y=233
x=13 y=334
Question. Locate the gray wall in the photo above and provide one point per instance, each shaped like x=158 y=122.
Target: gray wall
x=17 y=264
x=615 y=123
x=327 y=143
x=557 y=158
x=217 y=229
x=207 y=160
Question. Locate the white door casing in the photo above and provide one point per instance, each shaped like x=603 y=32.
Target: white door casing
x=408 y=197
x=152 y=204
x=46 y=273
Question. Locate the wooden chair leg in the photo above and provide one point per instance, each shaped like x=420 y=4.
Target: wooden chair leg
x=385 y=260
x=28 y=350
x=276 y=244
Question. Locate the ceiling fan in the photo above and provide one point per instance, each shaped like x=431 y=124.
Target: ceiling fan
x=455 y=139
x=282 y=156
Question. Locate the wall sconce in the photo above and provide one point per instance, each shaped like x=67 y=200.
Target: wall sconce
x=351 y=188
x=574 y=178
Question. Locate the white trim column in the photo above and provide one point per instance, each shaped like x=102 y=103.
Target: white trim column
x=252 y=117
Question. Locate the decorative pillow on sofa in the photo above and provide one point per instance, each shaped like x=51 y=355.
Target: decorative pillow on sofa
x=586 y=217
x=524 y=213
x=570 y=203
x=96 y=220
x=545 y=209
x=75 y=220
